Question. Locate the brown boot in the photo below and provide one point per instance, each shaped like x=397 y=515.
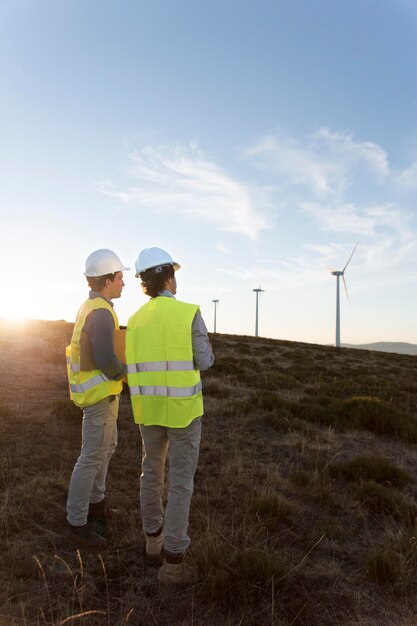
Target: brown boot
x=85 y=537
x=154 y=545
x=176 y=571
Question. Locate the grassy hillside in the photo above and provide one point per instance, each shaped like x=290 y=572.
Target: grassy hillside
x=304 y=510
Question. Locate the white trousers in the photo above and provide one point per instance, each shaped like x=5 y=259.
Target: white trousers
x=182 y=446
x=99 y=441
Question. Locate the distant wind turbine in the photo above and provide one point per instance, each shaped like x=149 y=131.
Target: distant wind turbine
x=338 y=274
x=216 y=302
x=257 y=291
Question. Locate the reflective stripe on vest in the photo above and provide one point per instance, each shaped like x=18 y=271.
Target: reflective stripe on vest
x=161 y=366
x=75 y=367
x=92 y=382
x=171 y=392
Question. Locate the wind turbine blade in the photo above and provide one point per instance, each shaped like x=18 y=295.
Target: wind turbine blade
x=344 y=282
x=350 y=257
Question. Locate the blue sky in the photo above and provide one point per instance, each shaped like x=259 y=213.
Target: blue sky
x=257 y=142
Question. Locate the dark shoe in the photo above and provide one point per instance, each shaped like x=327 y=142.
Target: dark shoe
x=100 y=516
x=85 y=537
x=101 y=510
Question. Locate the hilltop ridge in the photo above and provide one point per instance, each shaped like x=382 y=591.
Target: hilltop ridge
x=398 y=347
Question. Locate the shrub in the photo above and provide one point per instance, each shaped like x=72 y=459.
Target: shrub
x=278 y=421
x=273 y=379
x=395 y=562
x=212 y=552
x=215 y=389
x=272 y=508
x=242 y=348
x=384 y=566
x=232 y=366
x=320 y=411
x=379 y=417
x=235 y=407
x=244 y=577
x=380 y=499
x=268 y=401
x=302 y=478
x=377 y=469
x=361 y=413
x=257 y=568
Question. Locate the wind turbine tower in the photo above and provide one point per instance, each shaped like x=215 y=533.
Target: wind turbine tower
x=338 y=274
x=216 y=302
x=257 y=291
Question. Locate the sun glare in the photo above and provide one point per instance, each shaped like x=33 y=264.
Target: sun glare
x=14 y=310
x=13 y=320
x=20 y=306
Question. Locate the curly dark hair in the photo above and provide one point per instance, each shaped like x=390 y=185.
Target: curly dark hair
x=97 y=283
x=154 y=279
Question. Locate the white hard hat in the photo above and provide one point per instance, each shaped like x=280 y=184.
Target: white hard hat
x=153 y=257
x=102 y=262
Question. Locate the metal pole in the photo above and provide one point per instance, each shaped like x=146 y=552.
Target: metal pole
x=337 y=313
x=215 y=316
x=257 y=291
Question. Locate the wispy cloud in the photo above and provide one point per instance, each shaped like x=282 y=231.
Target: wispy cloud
x=350 y=153
x=280 y=274
x=339 y=219
x=343 y=189
x=363 y=221
x=348 y=188
x=184 y=182
x=379 y=263
x=324 y=161
x=407 y=178
x=222 y=248
x=294 y=163
x=352 y=194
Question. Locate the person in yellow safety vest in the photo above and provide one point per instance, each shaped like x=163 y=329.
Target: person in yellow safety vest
x=95 y=380
x=166 y=347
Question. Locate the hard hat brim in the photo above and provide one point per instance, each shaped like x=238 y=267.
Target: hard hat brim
x=95 y=275
x=176 y=267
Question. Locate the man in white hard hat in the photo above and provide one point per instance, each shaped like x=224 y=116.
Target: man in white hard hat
x=166 y=347
x=95 y=387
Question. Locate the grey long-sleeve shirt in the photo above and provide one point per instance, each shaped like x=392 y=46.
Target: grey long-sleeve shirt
x=202 y=350
x=99 y=327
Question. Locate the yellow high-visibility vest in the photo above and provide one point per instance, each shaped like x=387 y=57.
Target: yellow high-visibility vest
x=88 y=387
x=165 y=386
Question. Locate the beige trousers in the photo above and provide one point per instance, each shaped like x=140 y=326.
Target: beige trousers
x=182 y=445
x=99 y=441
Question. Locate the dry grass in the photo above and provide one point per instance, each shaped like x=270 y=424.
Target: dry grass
x=304 y=506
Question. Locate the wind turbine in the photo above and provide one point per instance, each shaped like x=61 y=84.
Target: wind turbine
x=338 y=274
x=257 y=291
x=215 y=313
